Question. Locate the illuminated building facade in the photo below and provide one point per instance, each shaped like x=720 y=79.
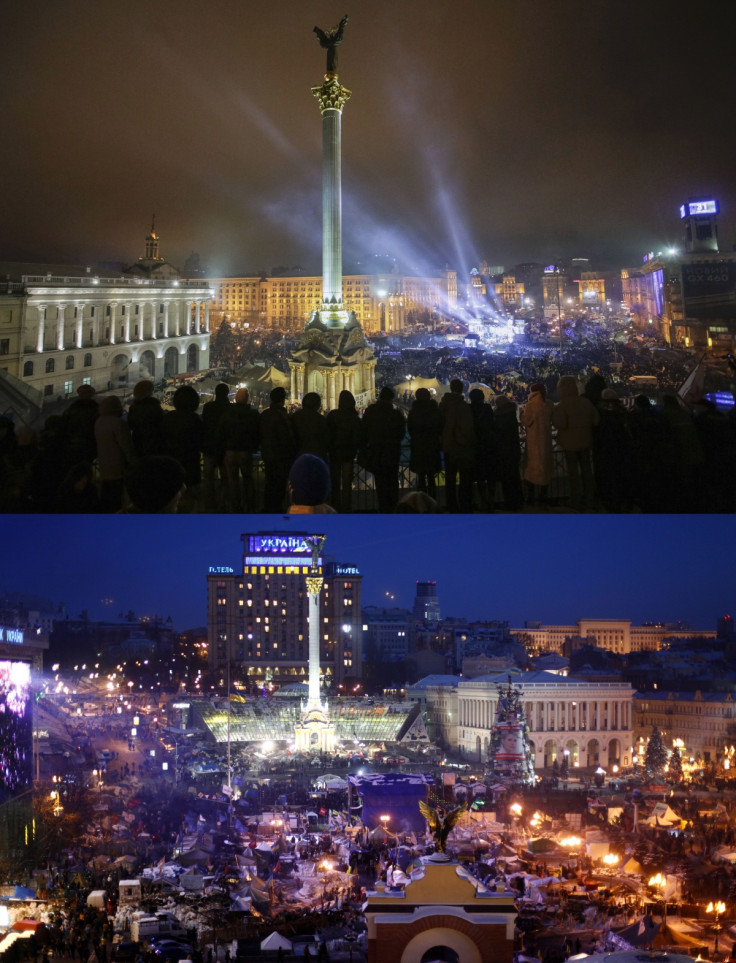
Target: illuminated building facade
x=589 y=722
x=592 y=291
x=381 y=303
x=704 y=721
x=63 y=326
x=554 y=291
x=258 y=616
x=615 y=635
x=690 y=295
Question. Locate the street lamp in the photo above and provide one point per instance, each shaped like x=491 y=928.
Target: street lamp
x=717 y=909
x=659 y=882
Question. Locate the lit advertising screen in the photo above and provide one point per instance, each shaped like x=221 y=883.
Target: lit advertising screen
x=16 y=729
x=709 y=290
x=698 y=207
x=279 y=548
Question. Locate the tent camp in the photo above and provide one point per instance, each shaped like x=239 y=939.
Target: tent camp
x=275 y=941
x=663 y=817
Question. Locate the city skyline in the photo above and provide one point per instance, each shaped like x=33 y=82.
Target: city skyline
x=505 y=132
x=553 y=569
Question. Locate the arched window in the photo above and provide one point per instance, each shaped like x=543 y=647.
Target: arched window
x=27 y=369
x=50 y=366
x=88 y=361
x=69 y=362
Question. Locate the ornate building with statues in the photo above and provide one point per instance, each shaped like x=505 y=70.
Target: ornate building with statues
x=62 y=326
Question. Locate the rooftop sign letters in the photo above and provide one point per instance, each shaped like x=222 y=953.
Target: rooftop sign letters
x=278 y=545
x=221 y=570
x=13 y=636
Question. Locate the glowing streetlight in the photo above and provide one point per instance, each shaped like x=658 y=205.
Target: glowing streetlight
x=716 y=909
x=659 y=882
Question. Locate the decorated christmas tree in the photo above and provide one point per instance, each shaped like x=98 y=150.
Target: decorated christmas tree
x=509 y=752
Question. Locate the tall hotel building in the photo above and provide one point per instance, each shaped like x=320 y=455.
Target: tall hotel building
x=258 y=617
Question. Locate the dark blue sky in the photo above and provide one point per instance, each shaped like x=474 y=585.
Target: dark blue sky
x=553 y=569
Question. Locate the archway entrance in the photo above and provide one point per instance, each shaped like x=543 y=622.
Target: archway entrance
x=171 y=362
x=440 y=954
x=147 y=365
x=192 y=358
x=119 y=369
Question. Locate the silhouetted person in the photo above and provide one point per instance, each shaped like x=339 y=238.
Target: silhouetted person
x=424 y=424
x=458 y=445
x=79 y=426
x=145 y=419
x=508 y=451
x=278 y=450
x=212 y=453
x=343 y=432
x=485 y=470
x=383 y=431
x=310 y=427
x=114 y=452
x=183 y=434
x=239 y=438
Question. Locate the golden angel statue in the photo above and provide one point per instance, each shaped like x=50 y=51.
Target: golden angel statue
x=441 y=822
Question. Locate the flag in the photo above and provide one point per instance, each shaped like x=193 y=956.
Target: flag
x=693 y=387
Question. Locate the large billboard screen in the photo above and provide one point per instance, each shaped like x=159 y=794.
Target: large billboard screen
x=709 y=290
x=16 y=728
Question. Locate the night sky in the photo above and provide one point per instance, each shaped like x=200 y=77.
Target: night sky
x=509 y=131
x=553 y=569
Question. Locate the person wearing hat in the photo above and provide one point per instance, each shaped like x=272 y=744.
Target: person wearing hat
x=239 y=436
x=278 y=450
x=383 y=432
x=309 y=486
x=536 y=419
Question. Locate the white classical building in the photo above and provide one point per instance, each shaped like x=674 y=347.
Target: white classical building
x=589 y=722
x=61 y=327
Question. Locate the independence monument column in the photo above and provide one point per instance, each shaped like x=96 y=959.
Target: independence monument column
x=314 y=732
x=332 y=97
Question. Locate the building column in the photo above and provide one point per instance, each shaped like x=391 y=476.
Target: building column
x=41 y=308
x=78 y=333
x=207 y=316
x=166 y=318
x=60 y=318
x=141 y=325
x=128 y=308
x=113 y=306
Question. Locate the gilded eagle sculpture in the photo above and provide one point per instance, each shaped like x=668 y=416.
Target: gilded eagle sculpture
x=441 y=822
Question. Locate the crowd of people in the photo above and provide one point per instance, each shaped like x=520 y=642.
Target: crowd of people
x=461 y=453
